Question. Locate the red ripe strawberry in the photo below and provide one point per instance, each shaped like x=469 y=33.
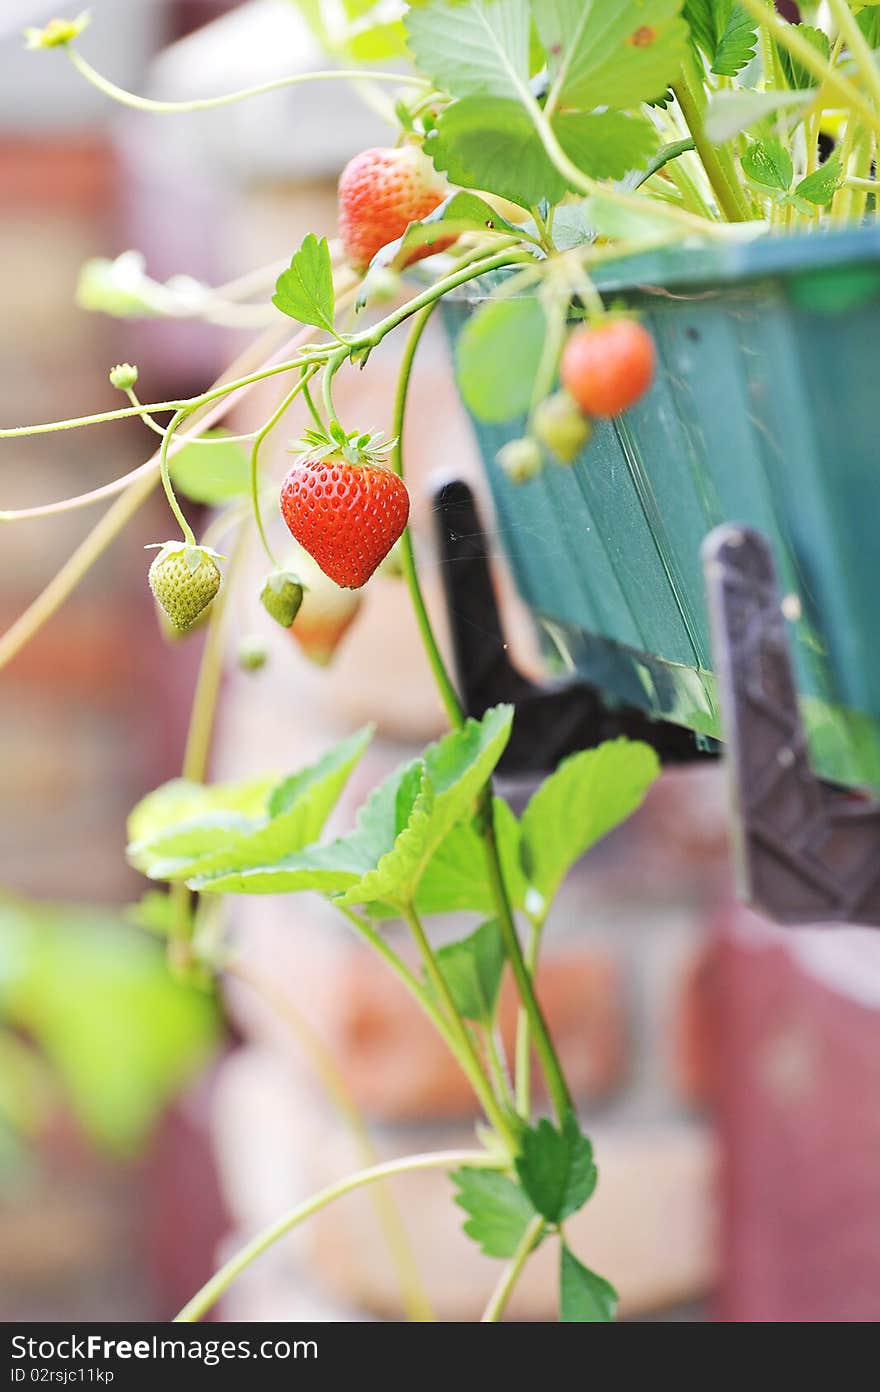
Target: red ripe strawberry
x=381 y=191
x=606 y=369
x=344 y=507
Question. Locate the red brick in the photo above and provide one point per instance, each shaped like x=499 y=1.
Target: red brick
x=398 y=1067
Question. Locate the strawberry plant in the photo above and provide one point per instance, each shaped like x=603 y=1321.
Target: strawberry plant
x=534 y=141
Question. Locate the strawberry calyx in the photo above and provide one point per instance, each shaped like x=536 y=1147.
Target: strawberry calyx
x=353 y=448
x=193 y=556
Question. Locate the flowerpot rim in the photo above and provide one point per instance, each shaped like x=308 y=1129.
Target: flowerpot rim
x=686 y=266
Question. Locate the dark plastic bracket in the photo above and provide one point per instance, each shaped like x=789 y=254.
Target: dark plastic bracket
x=551 y=721
x=807 y=851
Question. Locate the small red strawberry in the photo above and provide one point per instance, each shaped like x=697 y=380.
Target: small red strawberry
x=381 y=191
x=608 y=367
x=345 y=507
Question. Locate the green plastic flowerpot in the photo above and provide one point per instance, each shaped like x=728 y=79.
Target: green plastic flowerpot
x=765 y=411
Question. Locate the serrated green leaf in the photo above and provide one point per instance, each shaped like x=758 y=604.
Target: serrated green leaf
x=556 y=1168
x=181 y=801
x=472 y=969
x=456 y=879
x=211 y=472
x=725 y=32
x=795 y=75
x=611 y=55
x=497 y=357
x=398 y=829
x=768 y=164
x=214 y=834
x=305 y=290
x=491 y=143
x=587 y=795
x=820 y=186
x=476 y=48
x=455 y=769
x=584 y=1296
x=499 y=1210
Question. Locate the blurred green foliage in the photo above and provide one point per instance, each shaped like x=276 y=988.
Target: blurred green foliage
x=91 y=1021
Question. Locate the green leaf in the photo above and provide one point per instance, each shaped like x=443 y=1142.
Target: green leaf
x=181 y=800
x=398 y=830
x=456 y=879
x=97 y=1000
x=643 y=224
x=821 y=186
x=795 y=75
x=498 y=355
x=211 y=472
x=455 y=770
x=472 y=969
x=606 y=144
x=584 y=1297
x=768 y=164
x=729 y=113
x=463 y=212
x=305 y=289
x=499 y=1210
x=216 y=833
x=556 y=1168
x=868 y=21
x=476 y=48
x=611 y=55
x=491 y=143
x=587 y=795
x=725 y=32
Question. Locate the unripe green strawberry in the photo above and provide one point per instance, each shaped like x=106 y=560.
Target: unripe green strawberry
x=184 y=580
x=252 y=655
x=520 y=459
x=561 y=427
x=326 y=615
x=281 y=596
x=171 y=633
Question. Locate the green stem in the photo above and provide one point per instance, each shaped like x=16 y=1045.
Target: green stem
x=498 y=1067
x=188 y=533
x=860 y=49
x=164 y=108
x=459 y=1029
x=313 y=410
x=677 y=217
x=287 y=401
x=512 y=1272
x=448 y=695
x=220 y=1282
x=717 y=163
x=412 y=1289
x=787 y=36
x=556 y=1084
x=522 y=1057
x=416 y=989
x=543 y=1043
